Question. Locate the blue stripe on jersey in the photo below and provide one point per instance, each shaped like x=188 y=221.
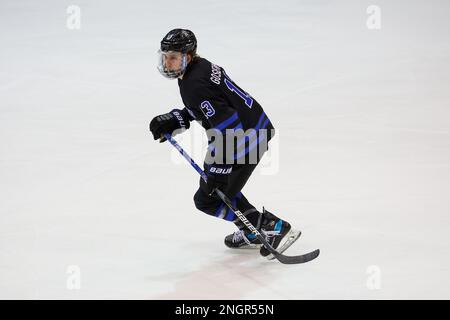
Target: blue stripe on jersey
x=248 y=137
x=212 y=147
x=227 y=122
x=265 y=124
x=260 y=120
x=253 y=144
x=253 y=132
x=239 y=126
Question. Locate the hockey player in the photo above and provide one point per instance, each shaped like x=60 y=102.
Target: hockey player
x=221 y=106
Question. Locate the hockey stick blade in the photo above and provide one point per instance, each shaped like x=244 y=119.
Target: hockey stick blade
x=289 y=259
x=297 y=259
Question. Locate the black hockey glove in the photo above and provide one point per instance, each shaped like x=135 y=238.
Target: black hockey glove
x=167 y=123
x=217 y=180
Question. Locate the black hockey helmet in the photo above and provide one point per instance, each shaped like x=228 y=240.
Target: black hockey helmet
x=176 y=42
x=179 y=40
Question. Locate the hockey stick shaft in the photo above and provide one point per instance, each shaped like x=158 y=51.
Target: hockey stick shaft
x=186 y=156
x=282 y=258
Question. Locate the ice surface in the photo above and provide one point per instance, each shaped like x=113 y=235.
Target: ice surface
x=363 y=123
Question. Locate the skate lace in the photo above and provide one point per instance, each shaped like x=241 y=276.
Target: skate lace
x=269 y=234
x=240 y=235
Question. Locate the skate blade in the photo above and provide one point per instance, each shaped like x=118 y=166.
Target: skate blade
x=286 y=242
x=250 y=247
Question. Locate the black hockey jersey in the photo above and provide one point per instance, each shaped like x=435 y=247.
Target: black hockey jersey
x=218 y=103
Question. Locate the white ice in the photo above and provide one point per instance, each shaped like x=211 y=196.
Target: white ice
x=363 y=146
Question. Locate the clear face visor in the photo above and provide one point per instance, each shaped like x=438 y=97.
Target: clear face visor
x=171 y=64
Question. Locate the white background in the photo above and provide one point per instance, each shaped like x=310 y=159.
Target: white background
x=363 y=150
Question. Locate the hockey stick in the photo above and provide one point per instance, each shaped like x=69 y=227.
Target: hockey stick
x=281 y=257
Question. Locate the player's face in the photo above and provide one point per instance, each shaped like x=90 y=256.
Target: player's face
x=172 y=60
x=172 y=64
